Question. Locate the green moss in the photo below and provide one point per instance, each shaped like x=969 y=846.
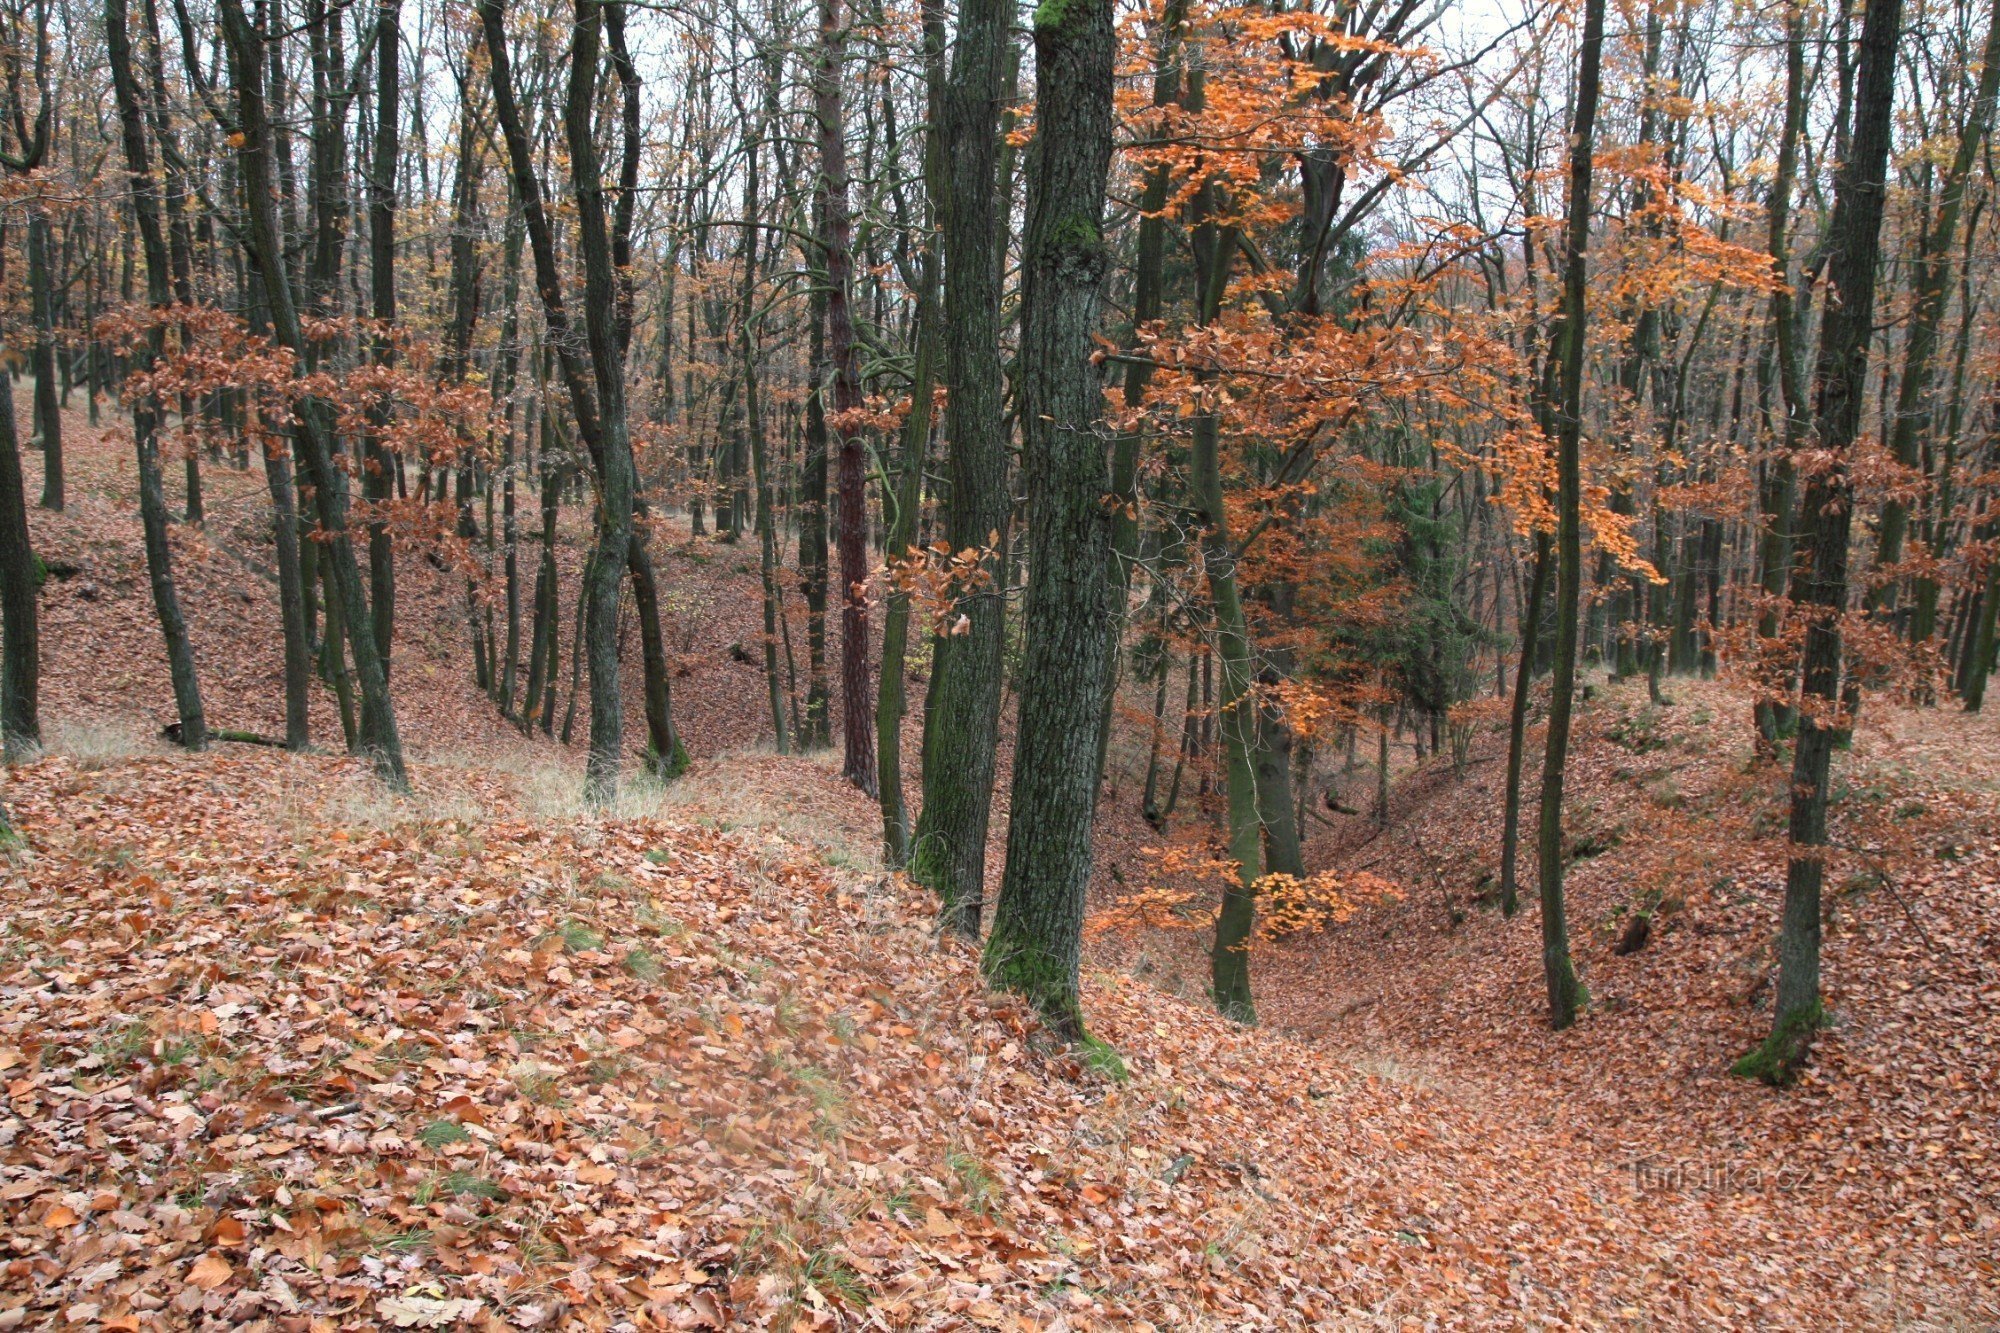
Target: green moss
x=1031 y=974
x=1101 y=1058
x=671 y=766
x=1054 y=14
x=1779 y=1058
x=1073 y=231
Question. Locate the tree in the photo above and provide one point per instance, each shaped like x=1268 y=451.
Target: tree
x=1038 y=921
x=376 y=734
x=378 y=476
x=857 y=704
x=20 y=571
x=1565 y=991
x=962 y=714
x=1840 y=378
x=193 y=728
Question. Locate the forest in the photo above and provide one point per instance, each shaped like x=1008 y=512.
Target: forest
x=1141 y=664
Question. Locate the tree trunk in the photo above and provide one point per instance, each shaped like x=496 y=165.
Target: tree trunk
x=857 y=705
x=816 y=732
x=908 y=495
x=152 y=500
x=1565 y=991
x=1840 y=384
x=1933 y=284
x=42 y=358
x=1038 y=922
x=20 y=592
x=962 y=713
x=377 y=476
x=1517 y=728
x=376 y=733
x=292 y=601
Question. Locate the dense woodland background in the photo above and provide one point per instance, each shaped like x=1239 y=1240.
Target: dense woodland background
x=1248 y=498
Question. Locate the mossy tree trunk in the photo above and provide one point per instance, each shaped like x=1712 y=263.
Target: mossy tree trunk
x=962 y=712
x=1038 y=921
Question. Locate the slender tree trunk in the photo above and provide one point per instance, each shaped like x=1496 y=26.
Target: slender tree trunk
x=42 y=358
x=600 y=416
x=1038 y=922
x=1840 y=384
x=193 y=727
x=1565 y=991
x=1517 y=728
x=857 y=704
x=1148 y=287
x=1933 y=285
x=376 y=733
x=292 y=601
x=902 y=526
x=1235 y=714
x=378 y=475
x=816 y=732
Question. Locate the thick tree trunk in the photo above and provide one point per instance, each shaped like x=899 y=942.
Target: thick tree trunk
x=20 y=591
x=962 y=712
x=1979 y=651
x=1038 y=922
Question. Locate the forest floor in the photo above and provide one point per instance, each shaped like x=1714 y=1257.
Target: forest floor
x=279 y=1050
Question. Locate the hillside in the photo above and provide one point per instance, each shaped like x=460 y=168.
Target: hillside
x=282 y=1051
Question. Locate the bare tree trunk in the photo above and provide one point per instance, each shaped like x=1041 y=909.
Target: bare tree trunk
x=193 y=727
x=962 y=709
x=857 y=703
x=1566 y=992
x=1517 y=728
x=376 y=733
x=1840 y=384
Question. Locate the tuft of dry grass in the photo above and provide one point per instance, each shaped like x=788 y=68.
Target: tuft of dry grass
x=98 y=744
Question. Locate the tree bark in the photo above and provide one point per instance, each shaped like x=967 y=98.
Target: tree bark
x=1565 y=991
x=857 y=704
x=1038 y=922
x=1840 y=386
x=962 y=712
x=152 y=500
